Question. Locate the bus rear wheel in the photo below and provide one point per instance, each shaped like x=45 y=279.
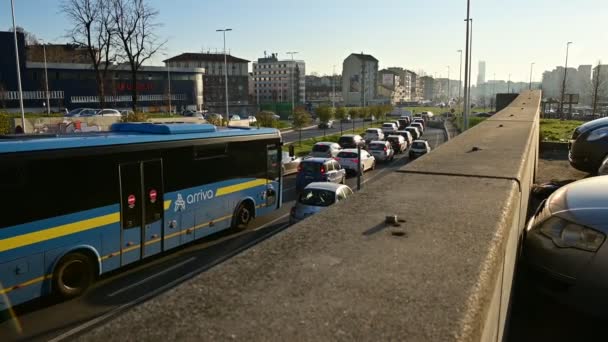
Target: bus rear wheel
x=73 y=276
x=243 y=216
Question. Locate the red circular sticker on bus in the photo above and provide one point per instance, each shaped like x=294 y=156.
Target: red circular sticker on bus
x=131 y=201
x=153 y=196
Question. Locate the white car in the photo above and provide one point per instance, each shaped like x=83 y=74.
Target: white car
x=389 y=127
x=325 y=149
x=419 y=148
x=317 y=196
x=109 y=112
x=381 y=150
x=374 y=134
x=235 y=118
x=252 y=119
x=348 y=158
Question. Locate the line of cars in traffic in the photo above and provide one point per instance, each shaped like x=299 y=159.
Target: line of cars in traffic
x=564 y=243
x=321 y=176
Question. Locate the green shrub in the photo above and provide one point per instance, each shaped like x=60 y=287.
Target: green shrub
x=135 y=117
x=5 y=124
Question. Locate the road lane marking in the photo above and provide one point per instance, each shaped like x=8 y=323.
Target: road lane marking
x=271 y=222
x=114 y=312
x=151 y=277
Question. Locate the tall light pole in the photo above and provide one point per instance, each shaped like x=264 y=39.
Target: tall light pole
x=293 y=102
x=561 y=103
x=460 y=76
x=466 y=70
x=494 y=90
x=333 y=88
x=225 y=69
x=169 y=86
x=46 y=81
x=18 y=67
x=470 y=68
x=449 y=93
x=531 y=68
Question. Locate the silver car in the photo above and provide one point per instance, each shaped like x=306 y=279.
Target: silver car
x=289 y=164
x=348 y=158
x=381 y=150
x=316 y=197
x=325 y=149
x=564 y=245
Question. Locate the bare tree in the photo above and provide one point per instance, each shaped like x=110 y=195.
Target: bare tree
x=135 y=22
x=93 y=28
x=596 y=86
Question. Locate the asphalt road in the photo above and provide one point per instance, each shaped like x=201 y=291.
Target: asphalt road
x=316 y=132
x=46 y=319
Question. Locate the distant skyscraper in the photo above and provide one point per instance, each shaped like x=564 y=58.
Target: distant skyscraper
x=481 y=73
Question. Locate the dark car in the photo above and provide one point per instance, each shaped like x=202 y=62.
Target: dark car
x=351 y=141
x=403 y=123
x=588 y=147
x=414 y=132
x=325 y=125
x=319 y=170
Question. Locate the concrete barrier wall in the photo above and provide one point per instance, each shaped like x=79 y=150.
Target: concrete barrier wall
x=444 y=273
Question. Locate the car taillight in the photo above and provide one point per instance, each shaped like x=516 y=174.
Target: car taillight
x=322 y=169
x=356 y=161
x=384 y=148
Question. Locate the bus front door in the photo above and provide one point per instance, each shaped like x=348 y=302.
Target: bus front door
x=141 y=210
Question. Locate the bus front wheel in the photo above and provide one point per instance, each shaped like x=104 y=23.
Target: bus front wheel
x=243 y=215
x=73 y=275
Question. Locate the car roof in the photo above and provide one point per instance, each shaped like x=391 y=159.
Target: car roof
x=373 y=128
x=316 y=160
x=325 y=143
x=395 y=136
x=388 y=123
x=420 y=140
x=353 y=150
x=348 y=135
x=324 y=186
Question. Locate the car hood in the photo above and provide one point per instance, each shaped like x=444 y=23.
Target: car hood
x=592 y=124
x=583 y=202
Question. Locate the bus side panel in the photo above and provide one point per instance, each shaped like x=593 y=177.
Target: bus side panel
x=17 y=276
x=110 y=248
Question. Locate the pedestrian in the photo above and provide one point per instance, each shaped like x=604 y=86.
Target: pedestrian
x=18 y=129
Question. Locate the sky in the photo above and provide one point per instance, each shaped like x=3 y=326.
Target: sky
x=414 y=34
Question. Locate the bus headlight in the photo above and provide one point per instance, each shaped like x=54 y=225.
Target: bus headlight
x=570 y=235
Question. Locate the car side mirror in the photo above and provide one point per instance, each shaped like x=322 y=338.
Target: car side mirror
x=292 y=151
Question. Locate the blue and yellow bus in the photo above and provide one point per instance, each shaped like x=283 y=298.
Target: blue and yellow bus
x=77 y=206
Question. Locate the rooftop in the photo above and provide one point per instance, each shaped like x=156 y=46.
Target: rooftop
x=364 y=57
x=205 y=57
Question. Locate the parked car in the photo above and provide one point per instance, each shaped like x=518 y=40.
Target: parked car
x=389 y=127
x=407 y=136
x=398 y=143
x=419 y=126
x=419 y=148
x=319 y=170
x=403 y=123
x=108 y=112
x=325 y=149
x=351 y=141
x=235 y=118
x=289 y=164
x=564 y=245
x=588 y=147
x=80 y=112
x=317 y=196
x=348 y=158
x=373 y=134
x=381 y=150
x=326 y=125
x=414 y=132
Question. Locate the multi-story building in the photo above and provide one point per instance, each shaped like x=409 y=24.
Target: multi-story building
x=324 y=89
x=578 y=81
x=359 y=79
x=428 y=86
x=600 y=79
x=213 y=82
x=481 y=73
x=394 y=85
x=58 y=53
x=279 y=81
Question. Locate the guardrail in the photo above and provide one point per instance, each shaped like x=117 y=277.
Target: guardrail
x=442 y=272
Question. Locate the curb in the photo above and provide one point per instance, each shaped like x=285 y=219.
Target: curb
x=289 y=130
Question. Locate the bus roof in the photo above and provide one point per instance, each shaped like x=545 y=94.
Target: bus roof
x=125 y=133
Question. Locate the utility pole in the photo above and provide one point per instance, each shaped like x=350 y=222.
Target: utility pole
x=596 y=87
x=333 y=88
x=293 y=101
x=561 y=103
x=46 y=81
x=494 y=91
x=225 y=71
x=466 y=70
x=18 y=67
x=470 y=70
x=531 y=66
x=460 y=77
x=449 y=93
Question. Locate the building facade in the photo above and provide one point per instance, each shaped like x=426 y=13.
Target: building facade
x=481 y=73
x=214 y=79
x=359 y=79
x=324 y=89
x=279 y=81
x=578 y=81
x=428 y=86
x=73 y=85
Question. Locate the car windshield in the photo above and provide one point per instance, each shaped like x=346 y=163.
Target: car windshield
x=371 y=131
x=347 y=155
x=418 y=145
x=377 y=147
x=317 y=197
x=310 y=167
x=347 y=140
x=320 y=148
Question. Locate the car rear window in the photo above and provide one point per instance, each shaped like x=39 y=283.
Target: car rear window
x=348 y=140
x=377 y=146
x=317 y=197
x=347 y=155
x=310 y=167
x=320 y=148
x=387 y=125
x=419 y=145
x=371 y=131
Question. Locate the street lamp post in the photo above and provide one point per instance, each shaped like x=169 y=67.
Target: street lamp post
x=470 y=69
x=293 y=102
x=460 y=76
x=225 y=70
x=449 y=93
x=333 y=88
x=531 y=68
x=169 y=87
x=561 y=103
x=466 y=70
x=18 y=67
x=494 y=90
x=46 y=81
